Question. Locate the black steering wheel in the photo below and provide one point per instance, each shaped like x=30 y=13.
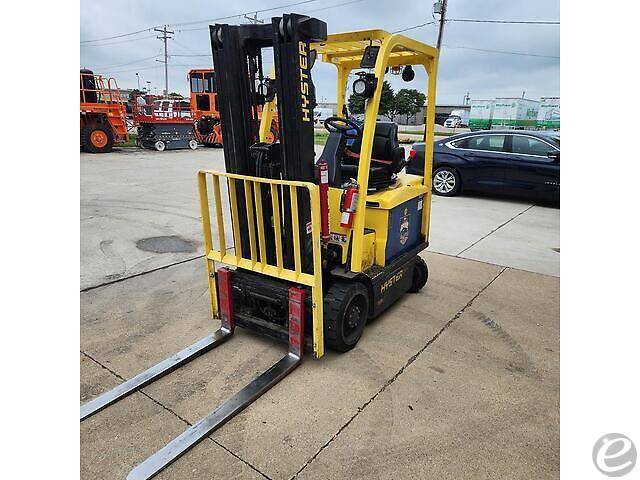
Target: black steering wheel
x=343 y=126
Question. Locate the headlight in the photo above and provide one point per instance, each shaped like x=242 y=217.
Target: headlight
x=359 y=86
x=365 y=85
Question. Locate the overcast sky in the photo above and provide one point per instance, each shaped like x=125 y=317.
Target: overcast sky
x=483 y=74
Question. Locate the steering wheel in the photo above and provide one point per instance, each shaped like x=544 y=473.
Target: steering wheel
x=344 y=126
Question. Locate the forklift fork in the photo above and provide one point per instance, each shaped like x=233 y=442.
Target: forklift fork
x=174 y=362
x=232 y=406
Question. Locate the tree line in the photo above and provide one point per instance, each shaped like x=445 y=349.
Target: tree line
x=407 y=101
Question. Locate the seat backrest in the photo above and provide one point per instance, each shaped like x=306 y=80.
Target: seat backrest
x=385 y=141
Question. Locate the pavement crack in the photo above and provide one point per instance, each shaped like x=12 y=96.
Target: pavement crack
x=176 y=414
x=397 y=375
x=496 y=229
x=122 y=279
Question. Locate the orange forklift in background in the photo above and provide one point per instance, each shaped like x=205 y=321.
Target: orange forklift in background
x=103 y=116
x=206 y=113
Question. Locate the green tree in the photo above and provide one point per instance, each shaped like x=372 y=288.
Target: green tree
x=135 y=93
x=409 y=101
x=175 y=95
x=387 y=102
x=356 y=104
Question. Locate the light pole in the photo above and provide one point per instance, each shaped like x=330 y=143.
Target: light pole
x=138 y=78
x=148 y=86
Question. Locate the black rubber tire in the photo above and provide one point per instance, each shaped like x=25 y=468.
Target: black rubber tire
x=341 y=298
x=420 y=275
x=458 y=185
x=86 y=138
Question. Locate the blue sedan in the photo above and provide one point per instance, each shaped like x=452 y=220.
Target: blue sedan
x=504 y=162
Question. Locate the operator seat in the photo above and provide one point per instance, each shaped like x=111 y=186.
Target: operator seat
x=387 y=157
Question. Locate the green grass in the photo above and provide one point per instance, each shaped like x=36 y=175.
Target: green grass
x=320 y=138
x=131 y=142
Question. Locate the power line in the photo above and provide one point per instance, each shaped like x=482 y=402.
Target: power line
x=501 y=51
x=127 y=63
x=117 y=36
x=332 y=6
x=524 y=22
x=118 y=42
x=138 y=69
x=196 y=22
x=414 y=27
x=276 y=8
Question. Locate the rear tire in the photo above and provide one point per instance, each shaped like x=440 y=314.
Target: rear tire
x=193 y=144
x=97 y=138
x=160 y=146
x=420 y=275
x=346 y=308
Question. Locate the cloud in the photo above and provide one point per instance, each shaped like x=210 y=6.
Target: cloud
x=483 y=74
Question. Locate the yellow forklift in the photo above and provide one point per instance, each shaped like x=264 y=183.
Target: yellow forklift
x=317 y=247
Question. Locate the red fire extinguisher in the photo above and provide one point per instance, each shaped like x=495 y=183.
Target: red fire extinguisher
x=349 y=203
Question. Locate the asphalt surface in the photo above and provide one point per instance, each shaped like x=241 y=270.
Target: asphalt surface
x=460 y=380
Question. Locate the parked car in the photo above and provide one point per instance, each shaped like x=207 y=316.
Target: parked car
x=505 y=162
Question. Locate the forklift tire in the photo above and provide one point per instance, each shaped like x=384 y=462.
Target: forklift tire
x=420 y=275
x=97 y=138
x=346 y=307
x=160 y=146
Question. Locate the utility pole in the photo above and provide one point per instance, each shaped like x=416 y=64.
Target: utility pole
x=441 y=8
x=165 y=36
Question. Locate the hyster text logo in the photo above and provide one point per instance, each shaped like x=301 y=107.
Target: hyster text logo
x=614 y=455
x=392 y=281
x=304 y=81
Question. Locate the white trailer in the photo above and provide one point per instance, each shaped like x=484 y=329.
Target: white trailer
x=549 y=114
x=481 y=114
x=514 y=113
x=457 y=118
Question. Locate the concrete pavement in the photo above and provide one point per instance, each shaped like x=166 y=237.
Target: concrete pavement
x=455 y=368
x=131 y=195
x=458 y=381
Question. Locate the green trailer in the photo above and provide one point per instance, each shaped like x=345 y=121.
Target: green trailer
x=481 y=114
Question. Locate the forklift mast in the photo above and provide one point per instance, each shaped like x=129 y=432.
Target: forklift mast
x=244 y=87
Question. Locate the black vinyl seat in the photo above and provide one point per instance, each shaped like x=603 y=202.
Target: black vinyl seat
x=387 y=157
